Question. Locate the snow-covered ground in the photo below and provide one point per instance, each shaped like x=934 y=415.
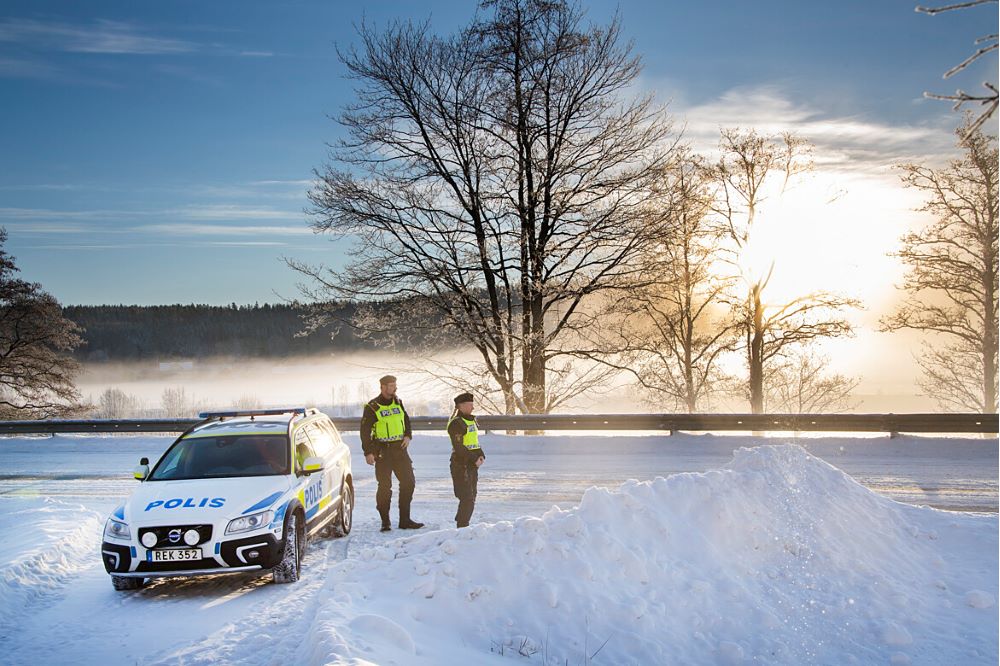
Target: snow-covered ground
x=772 y=554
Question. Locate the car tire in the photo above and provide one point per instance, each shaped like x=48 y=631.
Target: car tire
x=290 y=567
x=126 y=583
x=345 y=518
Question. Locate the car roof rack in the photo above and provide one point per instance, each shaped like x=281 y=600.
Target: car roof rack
x=258 y=412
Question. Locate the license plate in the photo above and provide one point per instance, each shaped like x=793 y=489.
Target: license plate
x=175 y=555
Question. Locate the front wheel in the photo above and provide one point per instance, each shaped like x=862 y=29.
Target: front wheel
x=290 y=567
x=126 y=583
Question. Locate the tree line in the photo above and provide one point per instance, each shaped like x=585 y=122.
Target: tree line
x=165 y=332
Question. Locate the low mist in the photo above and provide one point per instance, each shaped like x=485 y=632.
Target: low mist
x=341 y=384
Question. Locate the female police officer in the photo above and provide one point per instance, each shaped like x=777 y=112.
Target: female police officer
x=466 y=457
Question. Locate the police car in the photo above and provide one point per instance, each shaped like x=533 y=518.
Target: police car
x=239 y=491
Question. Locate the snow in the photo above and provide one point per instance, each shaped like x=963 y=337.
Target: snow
x=766 y=554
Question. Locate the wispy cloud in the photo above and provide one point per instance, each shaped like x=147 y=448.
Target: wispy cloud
x=53 y=214
x=248 y=244
x=843 y=143
x=234 y=212
x=46 y=228
x=183 y=229
x=102 y=36
x=19 y=68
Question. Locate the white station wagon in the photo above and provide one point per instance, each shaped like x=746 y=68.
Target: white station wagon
x=239 y=491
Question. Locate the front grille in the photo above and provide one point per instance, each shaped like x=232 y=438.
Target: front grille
x=163 y=535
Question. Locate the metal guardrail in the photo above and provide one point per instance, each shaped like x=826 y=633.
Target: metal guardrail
x=890 y=423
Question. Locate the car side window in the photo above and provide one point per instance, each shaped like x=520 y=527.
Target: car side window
x=303 y=448
x=321 y=441
x=332 y=431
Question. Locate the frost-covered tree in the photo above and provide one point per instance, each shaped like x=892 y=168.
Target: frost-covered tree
x=753 y=168
x=951 y=285
x=986 y=44
x=799 y=383
x=175 y=403
x=115 y=403
x=36 y=342
x=494 y=181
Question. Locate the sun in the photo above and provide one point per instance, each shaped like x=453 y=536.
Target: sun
x=830 y=232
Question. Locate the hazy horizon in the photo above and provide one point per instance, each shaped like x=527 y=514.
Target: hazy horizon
x=347 y=380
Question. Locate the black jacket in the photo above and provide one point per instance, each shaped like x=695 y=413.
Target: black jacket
x=368 y=419
x=460 y=454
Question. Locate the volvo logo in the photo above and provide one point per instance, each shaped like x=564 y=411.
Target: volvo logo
x=174 y=536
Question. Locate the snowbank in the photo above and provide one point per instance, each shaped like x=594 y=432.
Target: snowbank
x=46 y=543
x=778 y=558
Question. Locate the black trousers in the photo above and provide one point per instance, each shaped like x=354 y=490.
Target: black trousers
x=393 y=459
x=465 y=479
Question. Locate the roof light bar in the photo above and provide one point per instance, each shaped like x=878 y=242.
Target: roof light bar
x=252 y=412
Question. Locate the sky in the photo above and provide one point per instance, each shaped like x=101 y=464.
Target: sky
x=157 y=153
x=160 y=152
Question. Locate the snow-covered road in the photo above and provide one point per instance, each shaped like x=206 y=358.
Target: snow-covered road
x=778 y=557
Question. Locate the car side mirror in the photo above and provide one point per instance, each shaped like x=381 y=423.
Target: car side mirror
x=142 y=470
x=312 y=465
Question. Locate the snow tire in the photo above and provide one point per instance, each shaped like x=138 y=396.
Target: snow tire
x=345 y=518
x=290 y=567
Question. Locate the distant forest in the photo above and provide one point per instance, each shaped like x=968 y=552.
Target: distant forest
x=164 y=332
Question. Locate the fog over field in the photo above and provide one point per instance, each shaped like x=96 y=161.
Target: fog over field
x=341 y=382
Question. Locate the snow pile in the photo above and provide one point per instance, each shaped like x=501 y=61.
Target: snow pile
x=47 y=543
x=778 y=558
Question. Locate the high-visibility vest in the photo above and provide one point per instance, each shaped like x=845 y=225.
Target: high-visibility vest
x=390 y=422
x=471 y=438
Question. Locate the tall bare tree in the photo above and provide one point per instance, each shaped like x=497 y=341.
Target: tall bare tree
x=36 y=369
x=985 y=45
x=752 y=169
x=494 y=181
x=952 y=279
x=672 y=332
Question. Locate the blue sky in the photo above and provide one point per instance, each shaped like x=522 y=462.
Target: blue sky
x=160 y=152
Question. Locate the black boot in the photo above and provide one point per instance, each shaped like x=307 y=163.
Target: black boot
x=405 y=522
x=386 y=524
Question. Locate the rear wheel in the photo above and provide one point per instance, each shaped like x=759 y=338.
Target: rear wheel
x=126 y=583
x=346 y=518
x=290 y=567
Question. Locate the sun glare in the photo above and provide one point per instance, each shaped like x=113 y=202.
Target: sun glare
x=832 y=232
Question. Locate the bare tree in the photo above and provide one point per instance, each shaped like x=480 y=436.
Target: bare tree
x=247 y=401
x=176 y=403
x=115 y=403
x=952 y=281
x=494 y=182
x=36 y=369
x=671 y=332
x=986 y=44
x=752 y=169
x=799 y=384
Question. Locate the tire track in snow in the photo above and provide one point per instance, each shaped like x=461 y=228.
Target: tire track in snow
x=278 y=623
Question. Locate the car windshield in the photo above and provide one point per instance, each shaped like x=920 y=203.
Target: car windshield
x=224 y=456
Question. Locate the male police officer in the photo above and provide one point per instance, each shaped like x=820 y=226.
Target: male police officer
x=466 y=457
x=385 y=434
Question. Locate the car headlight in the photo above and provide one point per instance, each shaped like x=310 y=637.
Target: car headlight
x=254 y=521
x=116 y=530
